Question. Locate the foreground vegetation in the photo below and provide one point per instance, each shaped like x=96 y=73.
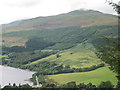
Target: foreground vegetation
x=95 y=77
x=103 y=85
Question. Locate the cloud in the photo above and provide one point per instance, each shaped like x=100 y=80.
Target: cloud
x=100 y=5
x=12 y=10
x=25 y=4
x=22 y=3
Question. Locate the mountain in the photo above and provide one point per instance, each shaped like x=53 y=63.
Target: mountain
x=11 y=24
x=82 y=18
x=57 y=28
x=76 y=31
x=64 y=43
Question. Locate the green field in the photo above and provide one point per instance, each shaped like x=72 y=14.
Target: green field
x=77 y=57
x=95 y=77
x=3 y=56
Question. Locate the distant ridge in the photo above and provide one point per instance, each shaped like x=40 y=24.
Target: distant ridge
x=82 y=18
x=79 y=11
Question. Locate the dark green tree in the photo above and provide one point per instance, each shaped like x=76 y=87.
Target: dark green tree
x=25 y=86
x=71 y=84
x=115 y=6
x=110 y=52
x=106 y=84
x=58 y=55
x=37 y=43
x=89 y=85
x=82 y=85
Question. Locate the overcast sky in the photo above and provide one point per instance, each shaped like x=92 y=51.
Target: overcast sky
x=12 y=10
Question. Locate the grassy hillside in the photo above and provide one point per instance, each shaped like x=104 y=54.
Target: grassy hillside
x=73 y=44
x=76 y=26
x=61 y=44
x=79 y=18
x=95 y=77
x=62 y=36
x=78 y=56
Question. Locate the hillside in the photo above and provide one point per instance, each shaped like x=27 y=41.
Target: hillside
x=63 y=33
x=59 y=44
x=95 y=77
x=81 y=18
x=77 y=57
x=62 y=24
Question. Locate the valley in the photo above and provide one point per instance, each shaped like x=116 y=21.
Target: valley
x=61 y=48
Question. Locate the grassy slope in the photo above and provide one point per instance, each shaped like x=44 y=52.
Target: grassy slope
x=68 y=35
x=81 y=56
x=37 y=26
x=95 y=77
x=3 y=56
x=78 y=56
x=84 y=19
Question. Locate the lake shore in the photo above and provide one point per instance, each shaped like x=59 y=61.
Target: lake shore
x=14 y=75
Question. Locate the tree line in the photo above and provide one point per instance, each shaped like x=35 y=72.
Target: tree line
x=50 y=68
x=103 y=85
x=35 y=43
